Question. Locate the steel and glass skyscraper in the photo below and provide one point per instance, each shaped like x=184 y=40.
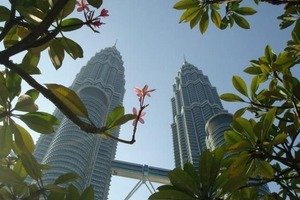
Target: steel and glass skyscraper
x=100 y=85
x=194 y=102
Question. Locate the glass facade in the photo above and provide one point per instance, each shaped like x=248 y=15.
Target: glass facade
x=100 y=85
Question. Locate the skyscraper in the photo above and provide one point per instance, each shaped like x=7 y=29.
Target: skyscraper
x=100 y=85
x=194 y=102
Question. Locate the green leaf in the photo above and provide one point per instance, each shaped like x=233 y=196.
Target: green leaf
x=185 y=4
x=280 y=138
x=245 y=11
x=253 y=70
x=284 y=61
x=95 y=3
x=268 y=121
x=68 y=9
x=4 y=14
x=31 y=165
x=269 y=54
x=13 y=84
x=73 y=193
x=33 y=93
x=239 y=165
x=123 y=119
x=171 y=195
x=72 y=48
x=254 y=86
x=10 y=177
x=87 y=194
x=56 y=53
x=240 y=85
x=189 y=14
x=266 y=169
x=65 y=178
x=11 y=38
x=3 y=95
x=216 y=18
x=19 y=169
x=30 y=62
x=69 y=98
x=26 y=103
x=240 y=21
x=71 y=24
x=231 y=137
x=113 y=116
x=239 y=112
x=190 y=169
x=231 y=97
x=5 y=141
x=183 y=181
x=31 y=14
x=40 y=121
x=204 y=22
x=22 y=138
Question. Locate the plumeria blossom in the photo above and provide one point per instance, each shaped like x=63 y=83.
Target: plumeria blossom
x=91 y=20
x=138 y=117
x=141 y=93
x=104 y=13
x=82 y=5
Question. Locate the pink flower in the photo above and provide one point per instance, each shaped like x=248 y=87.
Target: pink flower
x=138 y=118
x=104 y=13
x=82 y=5
x=141 y=93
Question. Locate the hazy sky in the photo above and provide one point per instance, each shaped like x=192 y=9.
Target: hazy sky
x=153 y=46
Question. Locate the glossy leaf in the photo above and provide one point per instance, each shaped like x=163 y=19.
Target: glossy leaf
x=32 y=14
x=19 y=169
x=31 y=165
x=72 y=48
x=239 y=165
x=87 y=194
x=216 y=18
x=254 y=86
x=40 y=121
x=239 y=112
x=123 y=119
x=114 y=115
x=269 y=54
x=65 y=178
x=280 y=138
x=245 y=11
x=204 y=22
x=284 y=61
x=240 y=21
x=26 y=103
x=71 y=24
x=253 y=70
x=22 y=138
x=268 y=121
x=11 y=38
x=4 y=14
x=231 y=97
x=95 y=3
x=185 y=4
x=13 y=84
x=34 y=94
x=189 y=14
x=56 y=53
x=5 y=141
x=183 y=181
x=30 y=62
x=69 y=98
x=240 y=85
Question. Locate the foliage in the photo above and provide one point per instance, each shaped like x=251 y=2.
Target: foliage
x=198 y=12
x=259 y=150
x=28 y=28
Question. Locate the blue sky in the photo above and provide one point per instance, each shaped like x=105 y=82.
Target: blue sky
x=153 y=46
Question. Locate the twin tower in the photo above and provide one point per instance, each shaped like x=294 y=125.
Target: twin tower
x=100 y=85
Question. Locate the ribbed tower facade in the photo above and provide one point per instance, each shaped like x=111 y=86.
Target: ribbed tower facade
x=100 y=85
x=194 y=102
